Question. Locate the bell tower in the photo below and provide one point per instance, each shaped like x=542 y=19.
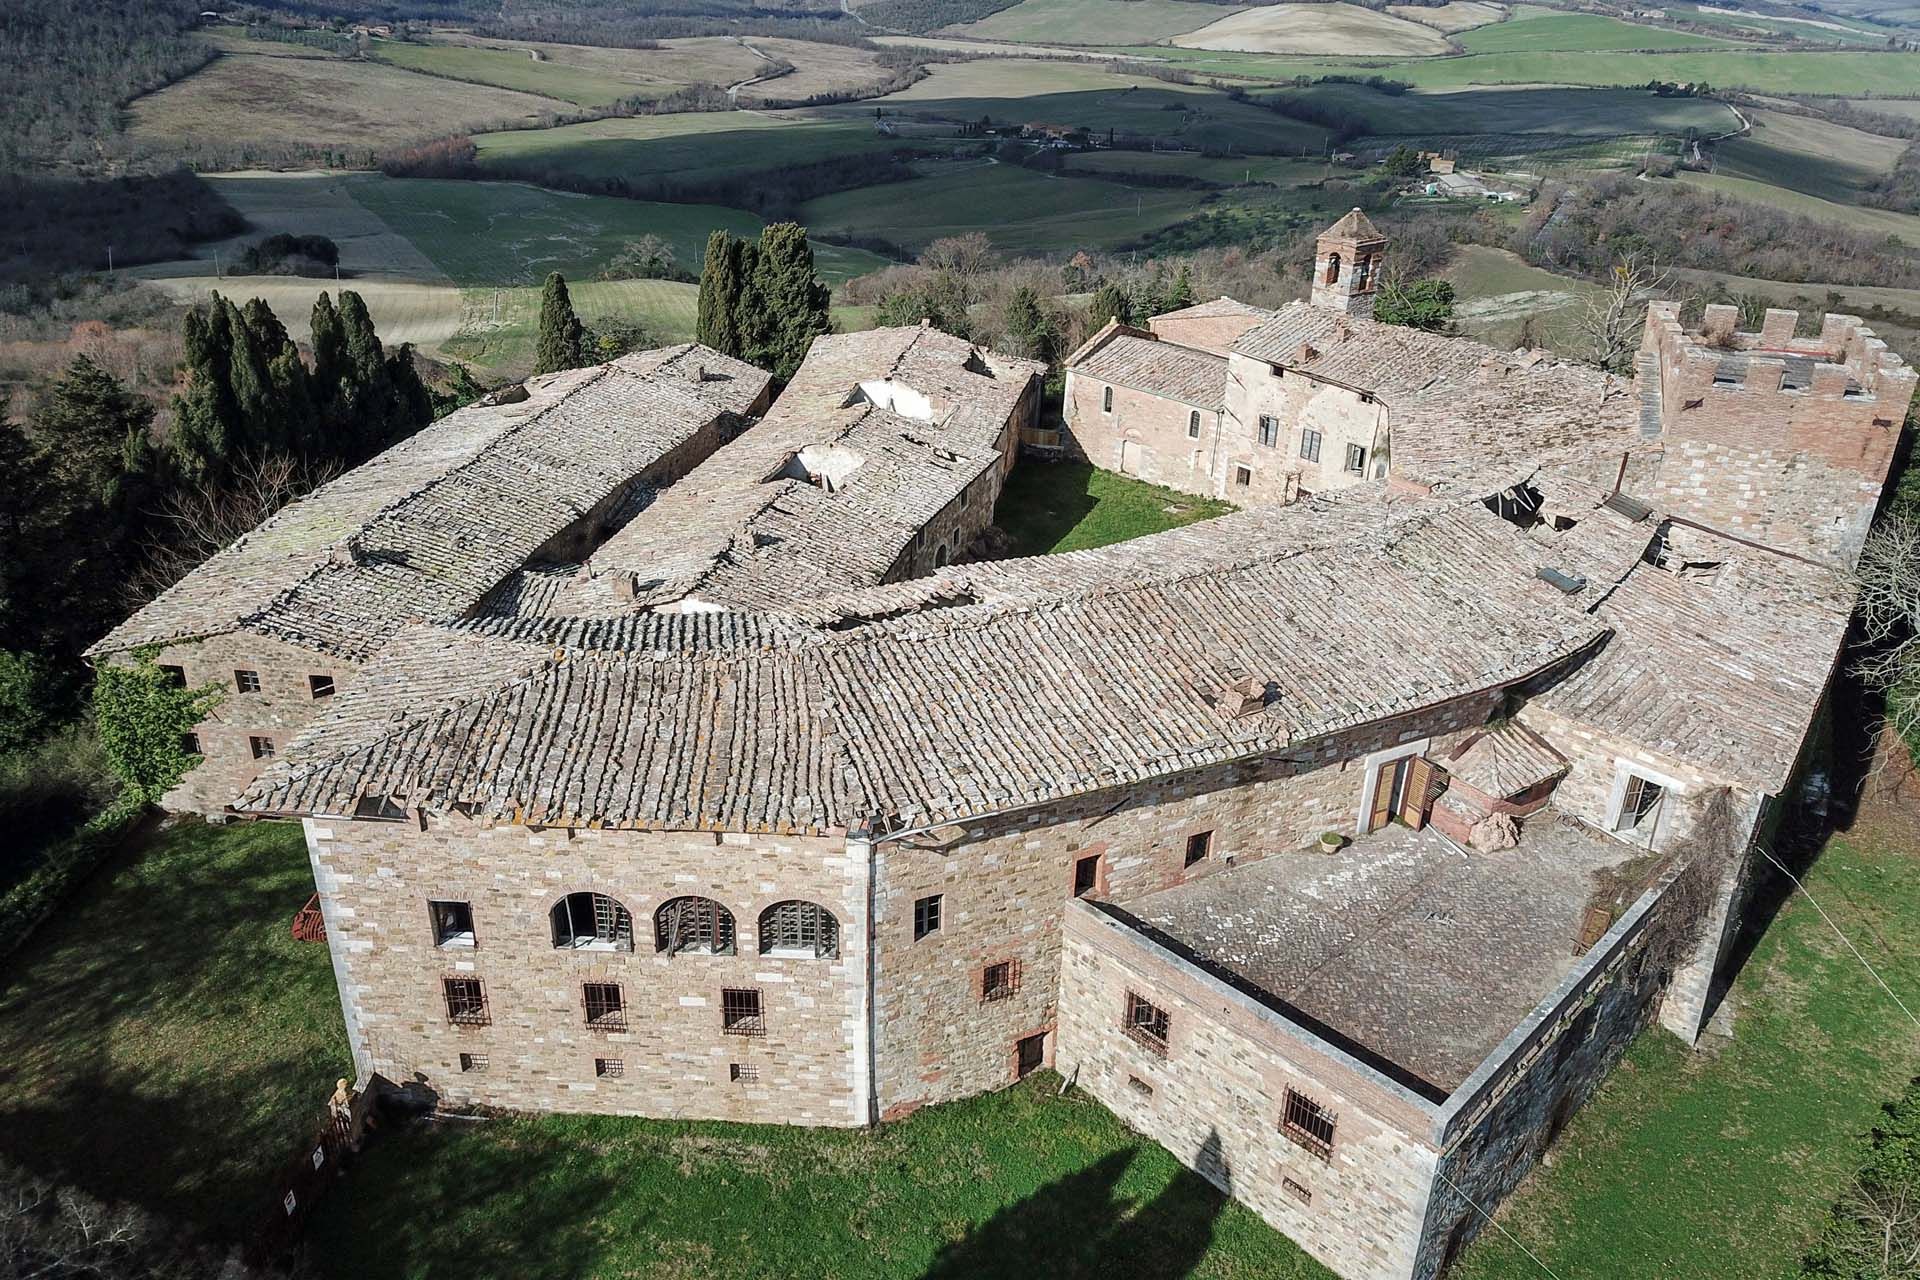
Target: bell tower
x=1346 y=265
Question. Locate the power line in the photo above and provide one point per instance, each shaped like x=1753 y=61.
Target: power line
x=1836 y=933
x=1496 y=1226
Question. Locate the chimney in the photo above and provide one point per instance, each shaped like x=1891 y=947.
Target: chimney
x=1306 y=353
x=1242 y=698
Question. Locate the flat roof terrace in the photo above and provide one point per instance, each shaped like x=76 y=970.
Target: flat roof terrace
x=1416 y=953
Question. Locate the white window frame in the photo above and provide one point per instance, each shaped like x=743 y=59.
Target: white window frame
x=1370 y=776
x=1617 y=800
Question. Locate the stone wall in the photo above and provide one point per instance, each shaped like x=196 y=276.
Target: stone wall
x=1145 y=435
x=1301 y=403
x=1003 y=885
x=1217 y=1095
x=376 y=878
x=1793 y=501
x=282 y=707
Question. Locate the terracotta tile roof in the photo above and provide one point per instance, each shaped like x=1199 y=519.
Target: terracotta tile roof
x=1504 y=761
x=1030 y=696
x=1191 y=376
x=1387 y=360
x=1354 y=225
x=1220 y=306
x=429 y=527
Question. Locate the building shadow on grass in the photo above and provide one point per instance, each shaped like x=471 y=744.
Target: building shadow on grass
x=1042 y=503
x=1081 y=1228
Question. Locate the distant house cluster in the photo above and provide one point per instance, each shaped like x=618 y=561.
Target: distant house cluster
x=676 y=757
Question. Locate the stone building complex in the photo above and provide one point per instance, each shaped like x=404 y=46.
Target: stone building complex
x=743 y=799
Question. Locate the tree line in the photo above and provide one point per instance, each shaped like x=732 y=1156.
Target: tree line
x=760 y=300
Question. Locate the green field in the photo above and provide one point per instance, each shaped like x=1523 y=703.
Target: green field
x=1827 y=28
x=1813 y=157
x=1573 y=113
x=1904 y=226
x=1537 y=31
x=1093 y=22
x=499 y=327
x=508 y=70
x=688 y=147
x=1225 y=169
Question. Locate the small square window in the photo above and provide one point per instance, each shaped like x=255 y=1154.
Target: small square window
x=247 y=681
x=473 y=1062
x=1310 y=445
x=1356 y=459
x=1308 y=1124
x=190 y=744
x=610 y=1068
x=926 y=917
x=466 y=1001
x=1242 y=477
x=740 y=1012
x=1147 y=1023
x=1297 y=1191
x=1269 y=430
x=1086 y=875
x=606 y=1010
x=1140 y=1086
x=1193 y=425
x=320 y=686
x=452 y=923
x=1199 y=845
x=999 y=981
x=176 y=676
x=262 y=748
x=743 y=1073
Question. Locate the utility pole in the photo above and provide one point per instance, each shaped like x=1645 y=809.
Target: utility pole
x=109 y=259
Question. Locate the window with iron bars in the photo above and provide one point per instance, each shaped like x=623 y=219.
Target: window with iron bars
x=999 y=981
x=799 y=928
x=1308 y=1124
x=693 y=924
x=740 y=1012
x=606 y=1010
x=466 y=1001
x=591 y=922
x=1147 y=1022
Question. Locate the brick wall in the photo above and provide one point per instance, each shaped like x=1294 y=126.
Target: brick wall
x=1004 y=883
x=1789 y=500
x=1300 y=403
x=1145 y=435
x=1209 y=333
x=376 y=878
x=283 y=706
x=1218 y=1093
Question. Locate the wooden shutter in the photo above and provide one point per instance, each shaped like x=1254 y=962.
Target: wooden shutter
x=1381 y=809
x=1413 y=801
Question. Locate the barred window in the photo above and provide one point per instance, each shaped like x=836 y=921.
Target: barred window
x=693 y=924
x=999 y=981
x=466 y=1001
x=799 y=928
x=743 y=1073
x=1308 y=1123
x=591 y=922
x=609 y=1068
x=1147 y=1022
x=247 y=681
x=473 y=1062
x=606 y=1009
x=740 y=1012
x=262 y=748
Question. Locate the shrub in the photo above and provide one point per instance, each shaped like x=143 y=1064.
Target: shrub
x=28 y=700
x=143 y=715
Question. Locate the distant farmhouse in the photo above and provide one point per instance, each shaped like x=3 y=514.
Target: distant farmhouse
x=1340 y=844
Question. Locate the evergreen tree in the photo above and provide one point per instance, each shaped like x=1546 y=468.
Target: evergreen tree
x=1180 y=293
x=412 y=402
x=790 y=298
x=257 y=425
x=1030 y=329
x=88 y=431
x=562 y=339
x=202 y=439
x=287 y=372
x=1109 y=303
x=366 y=398
x=720 y=289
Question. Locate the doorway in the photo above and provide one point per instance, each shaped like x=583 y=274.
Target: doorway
x=1397 y=787
x=1029 y=1055
x=1129 y=457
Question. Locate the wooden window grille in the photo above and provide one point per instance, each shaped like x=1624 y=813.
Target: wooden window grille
x=1147 y=1023
x=1297 y=1191
x=1269 y=430
x=698 y=925
x=591 y=921
x=320 y=686
x=740 y=1012
x=743 y=1073
x=262 y=748
x=999 y=981
x=1308 y=1124
x=466 y=1002
x=452 y=923
x=247 y=681
x=1193 y=424
x=606 y=1009
x=799 y=927
x=1199 y=845
x=1140 y=1086
x=610 y=1068
x=1310 y=445
x=473 y=1062
x=926 y=916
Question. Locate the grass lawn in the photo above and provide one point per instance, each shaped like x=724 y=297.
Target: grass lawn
x=165 y=1041
x=508 y=69
x=1093 y=22
x=1071 y=506
x=1887 y=222
x=1577 y=32
x=689 y=146
x=499 y=327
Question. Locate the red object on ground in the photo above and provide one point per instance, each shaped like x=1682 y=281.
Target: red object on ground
x=308 y=924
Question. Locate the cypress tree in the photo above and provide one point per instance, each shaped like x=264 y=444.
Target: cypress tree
x=1029 y=328
x=1109 y=303
x=202 y=438
x=258 y=424
x=366 y=400
x=720 y=285
x=562 y=337
x=412 y=402
x=790 y=298
x=1180 y=294
x=286 y=373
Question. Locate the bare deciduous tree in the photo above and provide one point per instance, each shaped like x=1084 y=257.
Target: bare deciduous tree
x=1888 y=581
x=206 y=519
x=1611 y=318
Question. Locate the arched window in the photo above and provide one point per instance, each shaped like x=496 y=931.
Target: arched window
x=1193 y=425
x=940 y=556
x=693 y=924
x=799 y=928
x=591 y=922
x=1362 y=272
x=1106 y=400
x=1333 y=268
